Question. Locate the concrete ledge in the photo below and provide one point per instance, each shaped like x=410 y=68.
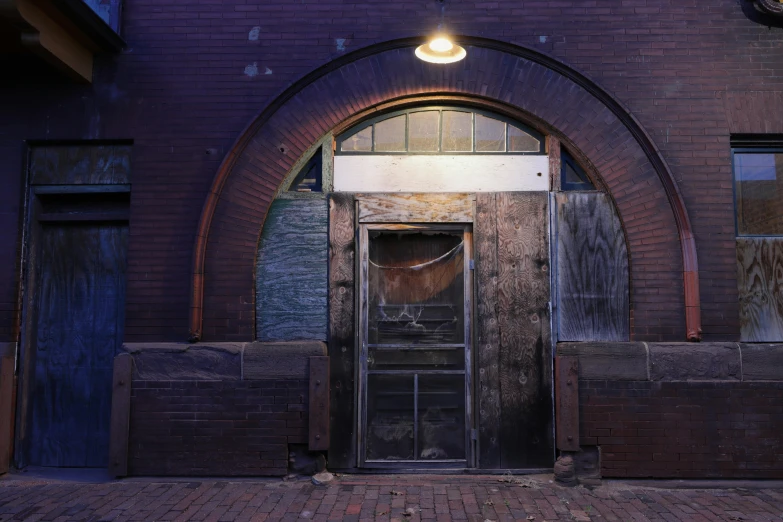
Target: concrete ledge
x=762 y=362
x=186 y=362
x=222 y=361
x=676 y=362
x=694 y=361
x=280 y=360
x=611 y=361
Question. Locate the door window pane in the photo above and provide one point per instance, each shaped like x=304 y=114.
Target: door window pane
x=441 y=411
x=415 y=288
x=390 y=405
x=358 y=142
x=415 y=359
x=423 y=133
x=390 y=135
x=490 y=134
x=457 y=131
x=521 y=141
x=758 y=182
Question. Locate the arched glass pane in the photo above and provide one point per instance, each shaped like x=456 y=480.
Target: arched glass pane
x=490 y=134
x=390 y=135
x=358 y=142
x=423 y=131
x=521 y=141
x=457 y=131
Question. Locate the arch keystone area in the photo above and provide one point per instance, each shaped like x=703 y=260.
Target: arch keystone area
x=520 y=82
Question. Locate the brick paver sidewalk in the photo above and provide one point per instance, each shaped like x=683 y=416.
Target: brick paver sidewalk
x=386 y=497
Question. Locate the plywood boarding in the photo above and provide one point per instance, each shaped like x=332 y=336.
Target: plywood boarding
x=342 y=250
x=120 y=415
x=592 y=269
x=523 y=291
x=291 y=272
x=416 y=208
x=80 y=311
x=80 y=164
x=759 y=265
x=440 y=173
x=487 y=332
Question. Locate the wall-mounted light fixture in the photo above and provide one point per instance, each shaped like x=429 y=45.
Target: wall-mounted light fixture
x=440 y=49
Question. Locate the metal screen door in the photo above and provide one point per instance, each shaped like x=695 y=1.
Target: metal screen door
x=415 y=345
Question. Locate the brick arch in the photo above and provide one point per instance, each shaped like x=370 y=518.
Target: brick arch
x=662 y=250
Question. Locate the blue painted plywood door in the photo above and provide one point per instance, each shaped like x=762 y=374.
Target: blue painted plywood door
x=78 y=331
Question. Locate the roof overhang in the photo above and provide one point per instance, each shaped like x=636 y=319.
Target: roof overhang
x=65 y=33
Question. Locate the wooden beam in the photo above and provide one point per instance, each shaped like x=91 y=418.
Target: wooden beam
x=318 y=426
x=487 y=332
x=527 y=437
x=342 y=249
x=553 y=151
x=567 y=402
x=415 y=208
x=120 y=415
x=6 y=411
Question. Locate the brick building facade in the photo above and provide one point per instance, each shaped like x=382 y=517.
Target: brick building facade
x=212 y=108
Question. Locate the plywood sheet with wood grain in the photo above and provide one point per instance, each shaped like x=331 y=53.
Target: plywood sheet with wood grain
x=523 y=290
x=79 y=330
x=415 y=208
x=760 y=285
x=80 y=164
x=592 y=269
x=487 y=332
x=291 y=272
x=341 y=346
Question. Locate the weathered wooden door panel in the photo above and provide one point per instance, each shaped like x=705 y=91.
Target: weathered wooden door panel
x=487 y=331
x=342 y=248
x=514 y=357
x=78 y=330
x=592 y=269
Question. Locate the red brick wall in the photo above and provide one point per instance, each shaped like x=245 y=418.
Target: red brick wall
x=215 y=427
x=180 y=91
x=684 y=429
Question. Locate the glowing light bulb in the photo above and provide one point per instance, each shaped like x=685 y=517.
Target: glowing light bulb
x=441 y=45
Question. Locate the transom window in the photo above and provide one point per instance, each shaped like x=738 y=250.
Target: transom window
x=440 y=130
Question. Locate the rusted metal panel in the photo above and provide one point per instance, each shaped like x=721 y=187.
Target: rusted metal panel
x=318 y=432
x=567 y=402
x=120 y=415
x=415 y=208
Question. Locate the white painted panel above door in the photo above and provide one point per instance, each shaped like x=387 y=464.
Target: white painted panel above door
x=441 y=173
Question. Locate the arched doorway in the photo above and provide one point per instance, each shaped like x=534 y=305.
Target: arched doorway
x=517 y=84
